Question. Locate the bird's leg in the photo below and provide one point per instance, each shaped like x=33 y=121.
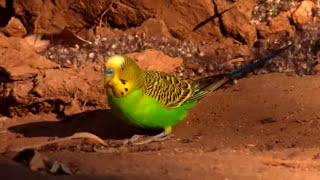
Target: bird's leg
x=159 y=137
x=133 y=139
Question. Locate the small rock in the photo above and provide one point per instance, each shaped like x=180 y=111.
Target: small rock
x=210 y=67
x=279 y=25
x=60 y=168
x=236 y=22
x=192 y=65
x=201 y=54
x=15 y=28
x=91 y=55
x=191 y=73
x=267 y=120
x=3 y=3
x=55 y=167
x=316 y=156
x=316 y=69
x=250 y=145
x=65 y=169
x=304 y=13
x=38 y=162
x=114 y=46
x=72 y=108
x=37 y=43
x=189 y=55
x=201 y=70
x=156 y=60
x=154 y=27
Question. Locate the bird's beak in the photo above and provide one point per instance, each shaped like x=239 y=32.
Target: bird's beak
x=108 y=80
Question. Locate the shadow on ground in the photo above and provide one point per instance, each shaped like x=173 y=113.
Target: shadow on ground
x=12 y=170
x=99 y=122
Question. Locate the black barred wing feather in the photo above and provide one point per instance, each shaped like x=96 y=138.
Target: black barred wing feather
x=173 y=92
x=168 y=90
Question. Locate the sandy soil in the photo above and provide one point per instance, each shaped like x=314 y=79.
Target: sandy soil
x=264 y=127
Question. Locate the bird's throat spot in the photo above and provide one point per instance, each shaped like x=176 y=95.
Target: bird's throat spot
x=123 y=81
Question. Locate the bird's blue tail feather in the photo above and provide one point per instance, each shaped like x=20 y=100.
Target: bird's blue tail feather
x=239 y=72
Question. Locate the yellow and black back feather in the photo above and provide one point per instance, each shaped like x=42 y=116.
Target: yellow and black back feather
x=168 y=90
x=173 y=92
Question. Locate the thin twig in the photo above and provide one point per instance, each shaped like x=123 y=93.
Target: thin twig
x=103 y=14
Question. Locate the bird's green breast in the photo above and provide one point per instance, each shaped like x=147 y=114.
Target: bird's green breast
x=145 y=111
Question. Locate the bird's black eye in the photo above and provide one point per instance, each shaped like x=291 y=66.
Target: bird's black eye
x=122 y=68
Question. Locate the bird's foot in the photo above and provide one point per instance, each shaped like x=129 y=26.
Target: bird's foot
x=133 y=139
x=159 y=137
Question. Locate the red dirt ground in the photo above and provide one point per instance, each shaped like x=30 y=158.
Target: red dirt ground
x=264 y=127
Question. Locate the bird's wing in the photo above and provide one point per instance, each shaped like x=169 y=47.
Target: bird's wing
x=173 y=92
x=168 y=90
x=203 y=86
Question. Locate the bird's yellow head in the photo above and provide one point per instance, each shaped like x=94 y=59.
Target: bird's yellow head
x=121 y=75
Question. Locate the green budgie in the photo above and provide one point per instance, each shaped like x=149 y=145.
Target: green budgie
x=152 y=99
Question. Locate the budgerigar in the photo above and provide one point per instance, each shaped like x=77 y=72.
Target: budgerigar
x=152 y=99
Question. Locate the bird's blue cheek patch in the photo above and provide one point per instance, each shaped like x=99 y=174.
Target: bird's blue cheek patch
x=108 y=71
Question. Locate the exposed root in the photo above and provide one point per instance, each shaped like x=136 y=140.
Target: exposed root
x=85 y=135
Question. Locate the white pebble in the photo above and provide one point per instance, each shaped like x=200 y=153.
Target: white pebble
x=91 y=55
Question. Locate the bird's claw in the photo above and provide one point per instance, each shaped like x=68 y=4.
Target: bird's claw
x=133 y=139
x=159 y=137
